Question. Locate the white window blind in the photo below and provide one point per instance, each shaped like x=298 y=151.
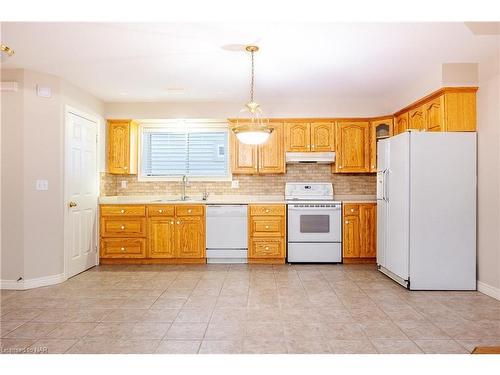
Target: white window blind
x=199 y=152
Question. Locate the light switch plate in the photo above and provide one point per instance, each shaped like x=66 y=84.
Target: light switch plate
x=43 y=91
x=123 y=184
x=235 y=184
x=42 y=185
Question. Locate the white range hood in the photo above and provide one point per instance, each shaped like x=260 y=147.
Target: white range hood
x=310 y=157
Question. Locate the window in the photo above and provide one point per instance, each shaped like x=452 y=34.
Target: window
x=196 y=150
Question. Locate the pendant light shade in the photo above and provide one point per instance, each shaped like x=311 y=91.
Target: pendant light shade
x=251 y=126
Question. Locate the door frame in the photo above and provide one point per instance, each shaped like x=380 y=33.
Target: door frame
x=98 y=121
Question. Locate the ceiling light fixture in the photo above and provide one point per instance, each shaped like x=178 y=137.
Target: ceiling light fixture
x=4 y=48
x=251 y=127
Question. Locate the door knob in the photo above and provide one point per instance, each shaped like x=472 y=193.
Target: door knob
x=72 y=204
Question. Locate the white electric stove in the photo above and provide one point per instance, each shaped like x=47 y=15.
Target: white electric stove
x=314 y=223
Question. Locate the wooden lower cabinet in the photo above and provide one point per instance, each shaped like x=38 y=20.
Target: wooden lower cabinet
x=267 y=233
x=359 y=232
x=162 y=237
x=190 y=237
x=140 y=234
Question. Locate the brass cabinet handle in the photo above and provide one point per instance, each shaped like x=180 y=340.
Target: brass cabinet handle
x=267 y=226
x=267 y=247
x=352 y=209
x=72 y=204
x=122 y=249
x=189 y=211
x=178 y=222
x=122 y=211
x=171 y=222
x=122 y=227
x=267 y=211
x=347 y=222
x=160 y=211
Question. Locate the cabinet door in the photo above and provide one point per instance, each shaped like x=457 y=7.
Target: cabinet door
x=350 y=241
x=162 y=238
x=352 y=147
x=379 y=129
x=243 y=157
x=368 y=230
x=322 y=136
x=416 y=119
x=460 y=112
x=118 y=147
x=190 y=236
x=297 y=137
x=271 y=154
x=434 y=115
x=401 y=123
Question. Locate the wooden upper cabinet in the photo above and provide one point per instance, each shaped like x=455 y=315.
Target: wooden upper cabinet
x=401 y=124
x=271 y=155
x=460 y=111
x=322 y=136
x=434 y=114
x=368 y=226
x=298 y=137
x=122 y=146
x=379 y=129
x=352 y=146
x=243 y=157
x=416 y=119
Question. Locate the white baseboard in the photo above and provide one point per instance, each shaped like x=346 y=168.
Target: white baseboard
x=32 y=283
x=488 y=290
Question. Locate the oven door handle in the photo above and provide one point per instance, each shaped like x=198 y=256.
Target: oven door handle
x=334 y=208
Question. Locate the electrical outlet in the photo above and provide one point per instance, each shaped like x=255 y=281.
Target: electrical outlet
x=235 y=184
x=42 y=185
x=124 y=184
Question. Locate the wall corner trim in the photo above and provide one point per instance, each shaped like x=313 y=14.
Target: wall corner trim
x=32 y=283
x=488 y=290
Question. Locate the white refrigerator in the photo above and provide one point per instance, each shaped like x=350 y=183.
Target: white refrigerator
x=426 y=210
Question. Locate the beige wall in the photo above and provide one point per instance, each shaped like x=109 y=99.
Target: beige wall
x=488 y=103
x=12 y=110
x=33 y=148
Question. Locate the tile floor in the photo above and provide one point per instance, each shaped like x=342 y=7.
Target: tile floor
x=243 y=309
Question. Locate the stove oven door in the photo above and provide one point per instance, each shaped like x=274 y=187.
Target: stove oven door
x=314 y=223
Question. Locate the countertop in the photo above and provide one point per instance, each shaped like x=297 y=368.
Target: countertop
x=221 y=199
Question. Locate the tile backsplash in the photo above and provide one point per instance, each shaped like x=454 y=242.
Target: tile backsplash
x=344 y=184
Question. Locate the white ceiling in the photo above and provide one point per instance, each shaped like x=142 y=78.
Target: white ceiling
x=127 y=62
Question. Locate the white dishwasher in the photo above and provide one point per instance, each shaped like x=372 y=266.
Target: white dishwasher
x=227 y=228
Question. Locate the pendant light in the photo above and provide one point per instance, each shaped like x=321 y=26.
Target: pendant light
x=251 y=127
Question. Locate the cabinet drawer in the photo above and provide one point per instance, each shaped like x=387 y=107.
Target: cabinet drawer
x=266 y=248
x=123 y=248
x=123 y=227
x=122 y=210
x=351 y=209
x=158 y=210
x=268 y=210
x=271 y=226
x=187 y=210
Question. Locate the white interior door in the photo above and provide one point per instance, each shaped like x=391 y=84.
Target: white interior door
x=81 y=194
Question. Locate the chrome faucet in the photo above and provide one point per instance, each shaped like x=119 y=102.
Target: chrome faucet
x=184 y=182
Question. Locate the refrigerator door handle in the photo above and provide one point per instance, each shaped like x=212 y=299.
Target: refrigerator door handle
x=386 y=185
